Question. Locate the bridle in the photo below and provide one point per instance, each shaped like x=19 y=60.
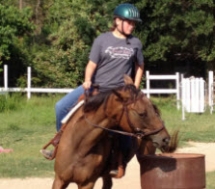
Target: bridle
x=138 y=133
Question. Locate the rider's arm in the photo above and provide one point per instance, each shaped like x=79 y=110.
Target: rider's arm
x=89 y=71
x=138 y=74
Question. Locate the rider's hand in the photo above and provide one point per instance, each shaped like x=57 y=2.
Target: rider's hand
x=87 y=85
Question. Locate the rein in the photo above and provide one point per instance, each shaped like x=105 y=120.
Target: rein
x=138 y=134
x=109 y=130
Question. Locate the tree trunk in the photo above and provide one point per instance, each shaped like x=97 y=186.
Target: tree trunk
x=20 y=4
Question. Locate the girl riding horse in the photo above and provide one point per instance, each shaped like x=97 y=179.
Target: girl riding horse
x=112 y=55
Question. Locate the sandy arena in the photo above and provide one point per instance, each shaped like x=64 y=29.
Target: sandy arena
x=130 y=180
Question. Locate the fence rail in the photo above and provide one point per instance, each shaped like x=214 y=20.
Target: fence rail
x=188 y=95
x=29 y=89
x=175 y=90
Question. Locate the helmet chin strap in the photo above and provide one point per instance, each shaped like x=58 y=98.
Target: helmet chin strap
x=123 y=33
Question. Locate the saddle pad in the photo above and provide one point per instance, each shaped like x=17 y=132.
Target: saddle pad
x=72 y=111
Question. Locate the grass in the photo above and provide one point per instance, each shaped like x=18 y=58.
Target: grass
x=196 y=127
x=25 y=128
x=27 y=125
x=210 y=180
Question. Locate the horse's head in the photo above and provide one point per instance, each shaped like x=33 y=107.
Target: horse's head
x=139 y=115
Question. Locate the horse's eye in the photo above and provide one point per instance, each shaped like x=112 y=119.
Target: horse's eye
x=144 y=114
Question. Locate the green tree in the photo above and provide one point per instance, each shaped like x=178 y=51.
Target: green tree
x=71 y=27
x=15 y=28
x=171 y=32
x=178 y=30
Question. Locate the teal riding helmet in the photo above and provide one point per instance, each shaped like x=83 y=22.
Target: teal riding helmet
x=127 y=11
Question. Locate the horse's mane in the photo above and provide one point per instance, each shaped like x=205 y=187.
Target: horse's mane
x=156 y=109
x=92 y=103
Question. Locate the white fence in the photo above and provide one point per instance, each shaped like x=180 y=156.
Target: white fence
x=148 y=90
x=28 y=89
x=193 y=95
x=190 y=92
x=211 y=86
x=175 y=90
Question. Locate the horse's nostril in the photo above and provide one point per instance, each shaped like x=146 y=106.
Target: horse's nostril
x=166 y=140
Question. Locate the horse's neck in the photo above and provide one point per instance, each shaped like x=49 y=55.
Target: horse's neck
x=83 y=129
x=113 y=109
x=116 y=111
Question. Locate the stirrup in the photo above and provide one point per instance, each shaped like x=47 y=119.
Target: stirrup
x=47 y=153
x=54 y=142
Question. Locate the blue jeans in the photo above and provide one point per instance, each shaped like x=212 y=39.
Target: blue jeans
x=64 y=105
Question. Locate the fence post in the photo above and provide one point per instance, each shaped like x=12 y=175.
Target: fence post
x=29 y=83
x=210 y=90
x=178 y=90
x=147 y=84
x=5 y=77
x=182 y=97
x=202 y=94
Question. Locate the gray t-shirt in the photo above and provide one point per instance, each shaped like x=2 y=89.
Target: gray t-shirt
x=114 y=58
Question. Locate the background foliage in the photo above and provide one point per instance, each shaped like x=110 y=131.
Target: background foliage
x=54 y=37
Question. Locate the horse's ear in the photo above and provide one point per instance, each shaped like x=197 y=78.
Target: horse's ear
x=124 y=95
x=128 y=80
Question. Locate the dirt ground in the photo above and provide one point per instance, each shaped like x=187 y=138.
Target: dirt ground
x=130 y=180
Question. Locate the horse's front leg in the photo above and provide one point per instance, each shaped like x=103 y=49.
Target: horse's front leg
x=59 y=184
x=107 y=181
x=89 y=185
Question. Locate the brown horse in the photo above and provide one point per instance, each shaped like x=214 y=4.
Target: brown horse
x=84 y=149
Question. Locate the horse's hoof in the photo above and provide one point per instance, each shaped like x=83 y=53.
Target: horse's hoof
x=113 y=173
x=119 y=173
